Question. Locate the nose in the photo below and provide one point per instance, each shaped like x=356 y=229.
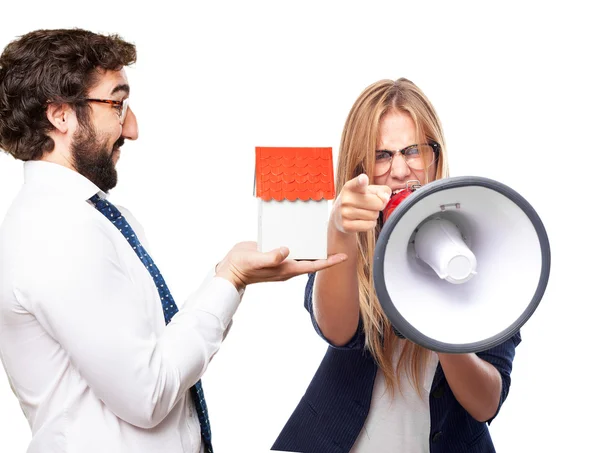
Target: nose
x=130 y=127
x=400 y=169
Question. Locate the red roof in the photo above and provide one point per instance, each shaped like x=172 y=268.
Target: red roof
x=294 y=173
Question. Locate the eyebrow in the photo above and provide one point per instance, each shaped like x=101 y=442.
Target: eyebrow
x=392 y=150
x=123 y=87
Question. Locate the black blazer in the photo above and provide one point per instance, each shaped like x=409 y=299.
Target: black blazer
x=335 y=406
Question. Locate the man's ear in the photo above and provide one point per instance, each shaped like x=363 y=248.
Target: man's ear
x=59 y=115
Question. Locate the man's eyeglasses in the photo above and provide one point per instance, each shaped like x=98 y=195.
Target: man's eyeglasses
x=119 y=106
x=417 y=157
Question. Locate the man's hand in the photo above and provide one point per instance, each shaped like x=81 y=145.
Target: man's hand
x=245 y=265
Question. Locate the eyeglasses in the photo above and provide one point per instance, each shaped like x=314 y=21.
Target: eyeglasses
x=417 y=157
x=119 y=106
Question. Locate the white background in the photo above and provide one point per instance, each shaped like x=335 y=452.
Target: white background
x=517 y=88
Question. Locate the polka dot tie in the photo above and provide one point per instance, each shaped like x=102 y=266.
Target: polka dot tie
x=168 y=304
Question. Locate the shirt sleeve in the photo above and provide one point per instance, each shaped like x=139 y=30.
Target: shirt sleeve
x=501 y=357
x=358 y=339
x=78 y=289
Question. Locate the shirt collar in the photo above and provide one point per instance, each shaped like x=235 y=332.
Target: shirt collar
x=55 y=178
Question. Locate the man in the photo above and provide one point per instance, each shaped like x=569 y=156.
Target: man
x=99 y=355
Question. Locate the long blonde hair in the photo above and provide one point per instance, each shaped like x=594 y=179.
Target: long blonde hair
x=356 y=156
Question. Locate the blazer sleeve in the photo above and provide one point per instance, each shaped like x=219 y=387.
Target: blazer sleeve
x=358 y=339
x=501 y=357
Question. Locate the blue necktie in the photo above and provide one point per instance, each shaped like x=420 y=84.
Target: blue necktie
x=168 y=304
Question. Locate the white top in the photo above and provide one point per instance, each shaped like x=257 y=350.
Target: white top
x=82 y=333
x=400 y=423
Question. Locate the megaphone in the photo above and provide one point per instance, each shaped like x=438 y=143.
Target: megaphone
x=461 y=264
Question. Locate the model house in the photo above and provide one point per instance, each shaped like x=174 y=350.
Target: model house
x=293 y=187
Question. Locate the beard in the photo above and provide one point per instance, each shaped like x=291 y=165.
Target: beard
x=93 y=158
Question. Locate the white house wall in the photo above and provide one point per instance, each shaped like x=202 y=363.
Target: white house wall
x=299 y=225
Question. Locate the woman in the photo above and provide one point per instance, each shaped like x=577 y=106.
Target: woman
x=375 y=392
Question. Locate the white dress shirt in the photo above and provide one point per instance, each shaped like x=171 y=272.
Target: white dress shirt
x=400 y=422
x=82 y=333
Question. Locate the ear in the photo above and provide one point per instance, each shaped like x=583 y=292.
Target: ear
x=59 y=115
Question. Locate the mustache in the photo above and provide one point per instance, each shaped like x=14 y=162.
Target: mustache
x=119 y=143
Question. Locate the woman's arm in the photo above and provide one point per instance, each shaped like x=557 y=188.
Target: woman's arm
x=481 y=382
x=475 y=383
x=335 y=296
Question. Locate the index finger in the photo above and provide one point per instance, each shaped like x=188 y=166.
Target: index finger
x=358 y=184
x=383 y=192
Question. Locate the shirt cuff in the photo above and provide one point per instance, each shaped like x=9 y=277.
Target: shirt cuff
x=216 y=296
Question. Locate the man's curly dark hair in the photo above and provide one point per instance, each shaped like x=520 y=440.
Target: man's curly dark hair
x=51 y=66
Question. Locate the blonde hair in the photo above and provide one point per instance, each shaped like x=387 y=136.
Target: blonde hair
x=356 y=156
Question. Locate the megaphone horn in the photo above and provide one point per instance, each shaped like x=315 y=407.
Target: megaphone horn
x=461 y=264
